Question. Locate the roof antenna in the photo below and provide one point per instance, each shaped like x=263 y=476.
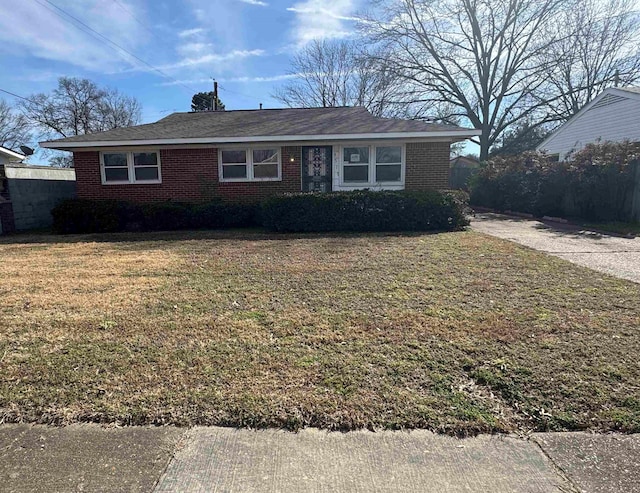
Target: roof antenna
x=260 y=105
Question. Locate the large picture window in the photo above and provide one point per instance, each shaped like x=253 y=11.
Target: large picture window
x=371 y=166
x=260 y=164
x=119 y=167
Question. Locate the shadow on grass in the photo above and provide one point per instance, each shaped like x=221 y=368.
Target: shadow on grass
x=249 y=234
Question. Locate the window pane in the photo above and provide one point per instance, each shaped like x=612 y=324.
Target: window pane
x=145 y=159
x=388 y=172
x=234 y=171
x=115 y=160
x=265 y=171
x=388 y=154
x=234 y=156
x=356 y=154
x=265 y=156
x=356 y=173
x=146 y=173
x=116 y=174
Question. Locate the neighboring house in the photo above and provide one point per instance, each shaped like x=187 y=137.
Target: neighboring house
x=9 y=156
x=611 y=117
x=247 y=155
x=28 y=193
x=461 y=169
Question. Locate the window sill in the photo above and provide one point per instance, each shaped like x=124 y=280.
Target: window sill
x=373 y=185
x=154 y=182
x=249 y=180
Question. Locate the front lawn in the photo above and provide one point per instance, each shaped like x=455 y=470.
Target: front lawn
x=456 y=332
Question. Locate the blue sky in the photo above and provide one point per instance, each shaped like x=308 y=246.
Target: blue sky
x=245 y=44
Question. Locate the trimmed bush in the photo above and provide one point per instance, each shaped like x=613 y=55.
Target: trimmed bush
x=338 y=211
x=105 y=216
x=93 y=216
x=365 y=211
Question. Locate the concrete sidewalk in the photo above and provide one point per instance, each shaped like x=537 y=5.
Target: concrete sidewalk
x=90 y=458
x=617 y=256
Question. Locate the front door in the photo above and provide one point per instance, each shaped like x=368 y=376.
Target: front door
x=316 y=169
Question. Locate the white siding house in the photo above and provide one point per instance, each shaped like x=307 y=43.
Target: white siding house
x=613 y=116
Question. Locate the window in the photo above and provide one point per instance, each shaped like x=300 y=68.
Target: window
x=234 y=165
x=356 y=164
x=388 y=164
x=250 y=164
x=130 y=167
x=370 y=166
x=145 y=166
x=116 y=167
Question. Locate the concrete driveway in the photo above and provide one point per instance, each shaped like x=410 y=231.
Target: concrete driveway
x=613 y=255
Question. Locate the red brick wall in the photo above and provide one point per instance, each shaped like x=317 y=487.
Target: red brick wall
x=427 y=165
x=191 y=175
x=188 y=175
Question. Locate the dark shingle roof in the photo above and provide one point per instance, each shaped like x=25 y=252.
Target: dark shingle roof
x=256 y=123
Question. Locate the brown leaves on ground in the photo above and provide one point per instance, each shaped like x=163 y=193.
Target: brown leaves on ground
x=455 y=332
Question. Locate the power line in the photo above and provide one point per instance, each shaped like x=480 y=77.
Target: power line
x=238 y=93
x=162 y=41
x=126 y=9
x=16 y=95
x=148 y=29
x=122 y=49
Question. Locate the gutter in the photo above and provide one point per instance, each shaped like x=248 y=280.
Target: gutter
x=450 y=134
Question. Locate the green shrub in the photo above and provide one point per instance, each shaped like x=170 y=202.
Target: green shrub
x=338 y=211
x=104 y=216
x=93 y=216
x=595 y=184
x=167 y=216
x=365 y=211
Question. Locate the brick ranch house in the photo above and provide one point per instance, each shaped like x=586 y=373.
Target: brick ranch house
x=247 y=155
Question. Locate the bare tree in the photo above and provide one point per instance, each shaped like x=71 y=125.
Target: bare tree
x=602 y=50
x=481 y=57
x=79 y=106
x=15 y=129
x=339 y=73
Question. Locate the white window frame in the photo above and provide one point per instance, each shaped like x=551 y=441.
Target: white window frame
x=356 y=164
x=249 y=163
x=131 y=168
x=372 y=183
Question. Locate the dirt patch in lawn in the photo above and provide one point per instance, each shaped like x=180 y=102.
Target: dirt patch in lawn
x=457 y=332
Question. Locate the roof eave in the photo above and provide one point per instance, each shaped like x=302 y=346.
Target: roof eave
x=13 y=154
x=460 y=134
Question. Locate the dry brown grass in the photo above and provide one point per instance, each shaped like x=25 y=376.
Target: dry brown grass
x=456 y=332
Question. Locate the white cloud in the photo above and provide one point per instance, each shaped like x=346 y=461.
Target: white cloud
x=31 y=29
x=212 y=58
x=191 y=49
x=256 y=2
x=318 y=19
x=190 y=32
x=243 y=79
x=323 y=11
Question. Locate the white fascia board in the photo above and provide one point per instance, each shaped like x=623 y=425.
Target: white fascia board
x=13 y=154
x=450 y=134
